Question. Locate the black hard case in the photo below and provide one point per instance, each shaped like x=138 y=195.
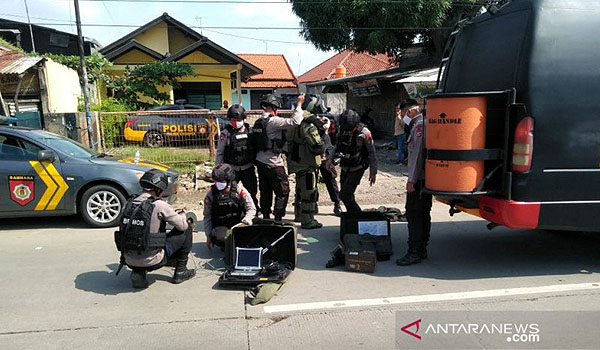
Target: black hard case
x=349 y=226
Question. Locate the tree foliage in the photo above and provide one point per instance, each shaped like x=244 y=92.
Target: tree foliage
x=362 y=25
x=95 y=65
x=144 y=86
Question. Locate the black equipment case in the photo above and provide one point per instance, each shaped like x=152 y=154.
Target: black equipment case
x=278 y=262
x=349 y=228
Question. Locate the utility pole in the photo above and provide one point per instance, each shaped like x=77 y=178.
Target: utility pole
x=84 y=78
x=30 y=29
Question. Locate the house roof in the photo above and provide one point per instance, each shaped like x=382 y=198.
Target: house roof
x=133 y=44
x=355 y=63
x=276 y=72
x=14 y=62
x=163 y=18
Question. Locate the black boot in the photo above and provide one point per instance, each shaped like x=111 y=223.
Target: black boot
x=412 y=257
x=337 y=209
x=423 y=253
x=182 y=273
x=138 y=278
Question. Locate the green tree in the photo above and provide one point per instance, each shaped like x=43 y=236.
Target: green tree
x=362 y=25
x=140 y=83
x=95 y=65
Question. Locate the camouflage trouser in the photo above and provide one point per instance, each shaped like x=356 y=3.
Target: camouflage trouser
x=305 y=203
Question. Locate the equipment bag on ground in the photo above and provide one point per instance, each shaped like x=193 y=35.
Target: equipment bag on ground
x=367 y=230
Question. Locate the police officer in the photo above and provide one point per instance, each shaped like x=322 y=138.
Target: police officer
x=226 y=204
x=418 y=203
x=356 y=152
x=142 y=240
x=329 y=174
x=269 y=136
x=304 y=158
x=235 y=149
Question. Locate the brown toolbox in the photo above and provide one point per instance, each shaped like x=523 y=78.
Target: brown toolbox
x=361 y=261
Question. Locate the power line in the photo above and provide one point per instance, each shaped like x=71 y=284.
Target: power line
x=257 y=39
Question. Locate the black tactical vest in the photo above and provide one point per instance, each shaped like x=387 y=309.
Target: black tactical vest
x=239 y=150
x=261 y=140
x=227 y=209
x=351 y=150
x=134 y=230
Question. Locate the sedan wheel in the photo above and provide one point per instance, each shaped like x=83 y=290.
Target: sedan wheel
x=101 y=206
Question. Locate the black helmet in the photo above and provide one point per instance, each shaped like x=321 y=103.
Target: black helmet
x=314 y=104
x=349 y=120
x=270 y=100
x=154 y=179
x=236 y=112
x=223 y=172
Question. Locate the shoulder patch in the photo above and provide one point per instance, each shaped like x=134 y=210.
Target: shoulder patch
x=223 y=136
x=419 y=130
x=366 y=133
x=207 y=200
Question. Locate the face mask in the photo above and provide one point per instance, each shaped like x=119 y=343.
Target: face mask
x=406 y=120
x=237 y=124
x=221 y=185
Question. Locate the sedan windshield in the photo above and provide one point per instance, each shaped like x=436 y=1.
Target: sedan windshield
x=67 y=146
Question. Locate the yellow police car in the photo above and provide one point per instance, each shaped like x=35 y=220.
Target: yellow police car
x=44 y=174
x=158 y=129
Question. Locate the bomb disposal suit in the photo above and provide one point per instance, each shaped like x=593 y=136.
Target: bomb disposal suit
x=304 y=158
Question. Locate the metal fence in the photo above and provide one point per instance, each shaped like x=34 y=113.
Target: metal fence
x=178 y=138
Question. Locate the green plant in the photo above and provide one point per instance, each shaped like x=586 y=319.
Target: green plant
x=113 y=126
x=95 y=65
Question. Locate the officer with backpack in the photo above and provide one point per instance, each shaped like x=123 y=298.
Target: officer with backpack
x=142 y=239
x=269 y=136
x=236 y=150
x=226 y=204
x=304 y=158
x=356 y=151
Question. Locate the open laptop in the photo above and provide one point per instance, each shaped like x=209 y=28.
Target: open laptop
x=248 y=262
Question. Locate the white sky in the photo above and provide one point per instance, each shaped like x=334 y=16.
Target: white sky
x=301 y=57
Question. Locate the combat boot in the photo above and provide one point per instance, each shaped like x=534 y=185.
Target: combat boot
x=412 y=257
x=182 y=273
x=312 y=225
x=337 y=209
x=423 y=253
x=138 y=278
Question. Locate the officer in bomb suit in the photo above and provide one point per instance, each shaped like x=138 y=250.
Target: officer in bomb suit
x=304 y=158
x=356 y=151
x=269 y=137
x=226 y=204
x=142 y=240
x=235 y=148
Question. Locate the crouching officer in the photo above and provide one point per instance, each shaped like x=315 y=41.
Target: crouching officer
x=418 y=203
x=356 y=152
x=269 y=137
x=142 y=238
x=304 y=158
x=226 y=204
x=235 y=149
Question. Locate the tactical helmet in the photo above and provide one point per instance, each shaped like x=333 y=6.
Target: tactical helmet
x=270 y=100
x=154 y=179
x=314 y=104
x=349 y=120
x=236 y=112
x=223 y=172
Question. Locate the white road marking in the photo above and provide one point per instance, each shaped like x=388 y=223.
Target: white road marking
x=409 y=299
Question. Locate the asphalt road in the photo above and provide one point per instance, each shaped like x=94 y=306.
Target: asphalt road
x=59 y=290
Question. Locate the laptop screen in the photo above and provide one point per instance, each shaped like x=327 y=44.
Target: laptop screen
x=248 y=258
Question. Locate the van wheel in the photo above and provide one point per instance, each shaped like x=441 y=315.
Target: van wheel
x=154 y=139
x=102 y=206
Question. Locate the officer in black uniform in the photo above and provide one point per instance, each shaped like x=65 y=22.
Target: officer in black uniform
x=235 y=149
x=418 y=203
x=356 y=152
x=142 y=238
x=329 y=174
x=225 y=205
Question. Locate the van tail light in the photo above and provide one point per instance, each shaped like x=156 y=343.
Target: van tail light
x=523 y=146
x=130 y=122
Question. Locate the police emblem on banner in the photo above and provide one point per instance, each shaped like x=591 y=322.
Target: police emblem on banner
x=21 y=189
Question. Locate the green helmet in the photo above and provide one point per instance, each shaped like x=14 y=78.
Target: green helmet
x=314 y=104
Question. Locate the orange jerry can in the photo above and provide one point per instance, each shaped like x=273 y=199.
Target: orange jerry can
x=455 y=124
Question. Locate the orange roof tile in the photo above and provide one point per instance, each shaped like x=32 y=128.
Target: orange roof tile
x=276 y=71
x=355 y=62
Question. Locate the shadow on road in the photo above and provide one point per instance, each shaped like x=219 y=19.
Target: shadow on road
x=106 y=283
x=57 y=222
x=468 y=250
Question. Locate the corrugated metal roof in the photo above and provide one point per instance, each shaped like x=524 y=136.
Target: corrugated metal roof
x=17 y=63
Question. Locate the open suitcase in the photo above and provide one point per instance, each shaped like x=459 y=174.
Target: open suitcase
x=367 y=231
x=277 y=262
